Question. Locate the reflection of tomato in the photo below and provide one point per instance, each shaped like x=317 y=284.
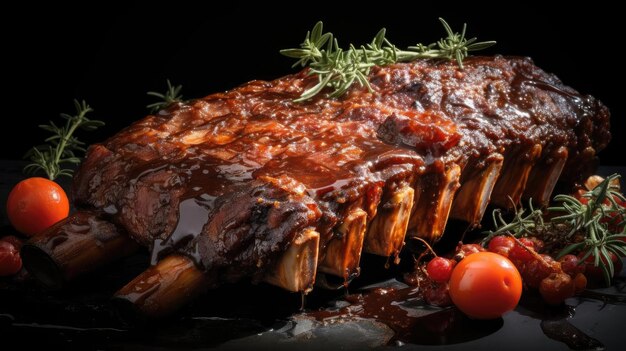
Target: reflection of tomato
x=485 y=285
x=35 y=204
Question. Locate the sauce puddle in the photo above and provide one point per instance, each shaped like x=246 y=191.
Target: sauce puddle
x=412 y=321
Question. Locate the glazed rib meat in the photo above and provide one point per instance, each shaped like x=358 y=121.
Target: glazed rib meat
x=232 y=180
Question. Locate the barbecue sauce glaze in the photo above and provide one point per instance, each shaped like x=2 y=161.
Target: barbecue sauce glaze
x=229 y=179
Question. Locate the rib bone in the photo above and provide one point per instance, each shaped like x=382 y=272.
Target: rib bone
x=176 y=280
x=514 y=175
x=76 y=245
x=473 y=197
x=387 y=230
x=343 y=253
x=429 y=219
x=544 y=176
x=164 y=287
x=295 y=271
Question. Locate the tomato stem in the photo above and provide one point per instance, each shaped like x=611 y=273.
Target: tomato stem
x=425 y=244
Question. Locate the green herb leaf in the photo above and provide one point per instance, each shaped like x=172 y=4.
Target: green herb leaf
x=338 y=69
x=62 y=145
x=171 y=96
x=588 y=221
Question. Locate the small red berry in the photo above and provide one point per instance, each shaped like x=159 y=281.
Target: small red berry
x=571 y=265
x=439 y=269
x=10 y=260
x=556 y=288
x=521 y=252
x=501 y=245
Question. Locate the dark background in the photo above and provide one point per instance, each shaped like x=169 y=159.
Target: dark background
x=111 y=54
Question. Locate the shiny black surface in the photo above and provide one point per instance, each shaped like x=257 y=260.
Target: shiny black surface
x=244 y=316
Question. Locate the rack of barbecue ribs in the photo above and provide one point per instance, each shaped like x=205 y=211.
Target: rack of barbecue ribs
x=248 y=184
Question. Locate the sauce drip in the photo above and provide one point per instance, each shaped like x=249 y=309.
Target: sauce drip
x=193 y=216
x=420 y=117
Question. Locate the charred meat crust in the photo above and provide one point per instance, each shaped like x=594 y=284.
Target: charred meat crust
x=229 y=179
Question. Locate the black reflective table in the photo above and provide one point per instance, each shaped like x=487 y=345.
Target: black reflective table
x=245 y=316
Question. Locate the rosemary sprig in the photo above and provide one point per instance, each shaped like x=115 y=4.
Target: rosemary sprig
x=591 y=218
x=339 y=69
x=62 y=146
x=582 y=227
x=521 y=224
x=171 y=95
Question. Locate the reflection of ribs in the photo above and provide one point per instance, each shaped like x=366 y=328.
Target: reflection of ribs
x=248 y=183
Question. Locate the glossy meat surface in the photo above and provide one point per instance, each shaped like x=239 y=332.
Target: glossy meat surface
x=229 y=179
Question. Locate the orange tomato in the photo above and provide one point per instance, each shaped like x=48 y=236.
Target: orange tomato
x=485 y=285
x=35 y=204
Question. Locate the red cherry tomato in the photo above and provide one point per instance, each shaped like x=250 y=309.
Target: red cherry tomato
x=557 y=287
x=10 y=260
x=613 y=220
x=485 y=285
x=521 y=253
x=571 y=265
x=535 y=271
x=35 y=204
x=439 y=269
x=501 y=245
x=15 y=241
x=580 y=282
x=464 y=250
x=596 y=274
x=538 y=244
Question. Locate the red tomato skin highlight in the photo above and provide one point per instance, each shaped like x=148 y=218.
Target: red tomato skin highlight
x=35 y=204
x=485 y=285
